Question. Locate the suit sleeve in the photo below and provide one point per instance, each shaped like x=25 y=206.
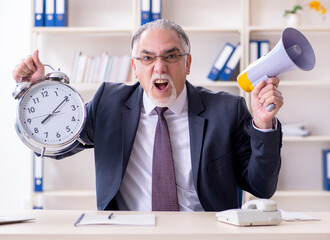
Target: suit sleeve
x=258 y=156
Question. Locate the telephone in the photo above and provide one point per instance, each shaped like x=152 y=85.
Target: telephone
x=252 y=213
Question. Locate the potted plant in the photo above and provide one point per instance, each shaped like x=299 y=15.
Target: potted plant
x=292 y=16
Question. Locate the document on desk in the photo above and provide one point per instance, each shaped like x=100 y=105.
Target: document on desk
x=7 y=220
x=116 y=219
x=297 y=216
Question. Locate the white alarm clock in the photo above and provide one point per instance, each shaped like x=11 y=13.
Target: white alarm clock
x=50 y=114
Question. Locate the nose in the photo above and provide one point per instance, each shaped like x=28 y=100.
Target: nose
x=160 y=66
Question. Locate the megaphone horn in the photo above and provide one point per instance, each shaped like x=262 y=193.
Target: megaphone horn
x=292 y=52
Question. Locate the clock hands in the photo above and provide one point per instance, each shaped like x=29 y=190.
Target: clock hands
x=43 y=115
x=54 y=111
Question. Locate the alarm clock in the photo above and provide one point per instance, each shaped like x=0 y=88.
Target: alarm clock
x=50 y=114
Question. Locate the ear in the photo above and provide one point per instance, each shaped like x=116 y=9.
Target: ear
x=133 y=64
x=188 y=64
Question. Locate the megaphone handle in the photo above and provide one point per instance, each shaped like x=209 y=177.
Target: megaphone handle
x=270 y=107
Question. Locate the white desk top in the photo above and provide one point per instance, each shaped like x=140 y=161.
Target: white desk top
x=179 y=225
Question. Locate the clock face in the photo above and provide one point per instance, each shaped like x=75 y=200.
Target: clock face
x=51 y=114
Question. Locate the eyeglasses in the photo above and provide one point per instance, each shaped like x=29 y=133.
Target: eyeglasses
x=168 y=58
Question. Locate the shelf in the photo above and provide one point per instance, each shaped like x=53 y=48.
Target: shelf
x=302 y=193
x=280 y=28
x=82 y=30
x=297 y=83
x=211 y=29
x=68 y=193
x=210 y=84
x=110 y=30
x=306 y=138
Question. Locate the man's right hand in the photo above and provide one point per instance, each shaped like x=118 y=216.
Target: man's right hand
x=30 y=69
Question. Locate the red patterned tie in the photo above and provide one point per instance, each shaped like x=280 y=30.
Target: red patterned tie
x=164 y=194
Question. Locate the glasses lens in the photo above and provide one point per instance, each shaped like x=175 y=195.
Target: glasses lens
x=146 y=59
x=169 y=58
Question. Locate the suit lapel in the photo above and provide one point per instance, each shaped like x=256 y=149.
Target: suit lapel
x=130 y=117
x=196 y=128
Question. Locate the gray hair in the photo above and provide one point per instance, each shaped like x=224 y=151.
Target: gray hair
x=162 y=24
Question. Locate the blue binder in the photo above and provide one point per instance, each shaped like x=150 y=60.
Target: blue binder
x=258 y=48
x=156 y=9
x=221 y=61
x=145 y=11
x=38 y=173
x=50 y=13
x=326 y=170
x=231 y=64
x=39 y=13
x=264 y=47
x=253 y=51
x=61 y=16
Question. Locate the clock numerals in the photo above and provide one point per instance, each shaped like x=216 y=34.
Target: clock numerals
x=44 y=94
x=31 y=110
x=58 y=134
x=35 y=100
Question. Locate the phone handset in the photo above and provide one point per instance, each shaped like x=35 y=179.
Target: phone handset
x=265 y=205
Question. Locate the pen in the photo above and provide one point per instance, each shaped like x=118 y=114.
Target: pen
x=109 y=217
x=79 y=219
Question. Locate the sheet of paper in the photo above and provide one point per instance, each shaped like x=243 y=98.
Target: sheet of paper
x=117 y=219
x=297 y=216
x=6 y=220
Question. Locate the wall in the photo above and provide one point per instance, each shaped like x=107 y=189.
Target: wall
x=15 y=170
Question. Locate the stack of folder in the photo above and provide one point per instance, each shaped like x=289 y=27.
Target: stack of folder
x=103 y=68
x=226 y=62
x=258 y=48
x=50 y=13
x=150 y=10
x=229 y=57
x=326 y=170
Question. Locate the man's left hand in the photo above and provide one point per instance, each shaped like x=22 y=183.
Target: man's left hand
x=263 y=95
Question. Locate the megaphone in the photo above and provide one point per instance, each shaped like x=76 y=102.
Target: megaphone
x=292 y=52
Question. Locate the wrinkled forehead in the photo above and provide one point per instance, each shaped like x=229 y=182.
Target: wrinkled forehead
x=159 y=40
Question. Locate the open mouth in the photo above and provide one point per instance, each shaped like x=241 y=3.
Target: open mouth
x=161 y=84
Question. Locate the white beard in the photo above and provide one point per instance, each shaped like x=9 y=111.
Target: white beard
x=164 y=102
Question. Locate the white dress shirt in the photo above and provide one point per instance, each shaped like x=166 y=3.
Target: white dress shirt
x=135 y=190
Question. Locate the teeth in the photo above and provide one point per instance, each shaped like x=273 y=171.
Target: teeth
x=160 y=81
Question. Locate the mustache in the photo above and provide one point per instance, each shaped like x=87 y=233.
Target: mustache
x=160 y=76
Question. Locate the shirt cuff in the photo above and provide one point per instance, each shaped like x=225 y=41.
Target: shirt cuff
x=269 y=129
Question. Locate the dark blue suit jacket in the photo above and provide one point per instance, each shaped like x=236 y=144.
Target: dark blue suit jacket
x=226 y=151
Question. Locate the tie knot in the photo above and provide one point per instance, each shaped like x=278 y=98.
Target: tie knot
x=160 y=110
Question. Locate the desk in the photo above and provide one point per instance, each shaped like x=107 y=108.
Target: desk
x=51 y=225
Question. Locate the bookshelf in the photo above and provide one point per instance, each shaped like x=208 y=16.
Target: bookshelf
x=96 y=26
x=305 y=96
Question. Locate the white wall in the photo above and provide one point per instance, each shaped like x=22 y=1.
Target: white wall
x=15 y=158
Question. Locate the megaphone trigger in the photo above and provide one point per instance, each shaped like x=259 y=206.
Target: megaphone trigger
x=270 y=107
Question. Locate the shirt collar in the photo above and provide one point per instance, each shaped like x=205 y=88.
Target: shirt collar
x=176 y=107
